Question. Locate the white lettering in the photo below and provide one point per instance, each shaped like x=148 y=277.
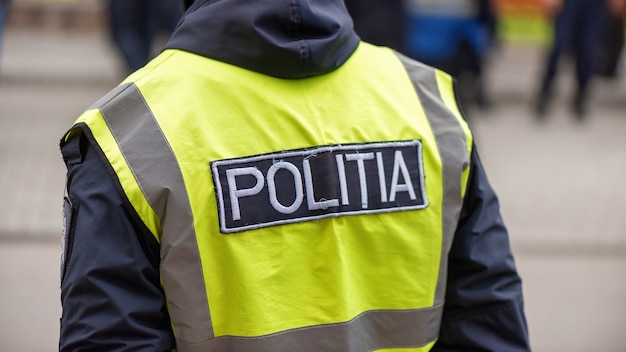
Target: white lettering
x=400 y=165
x=310 y=196
x=359 y=157
x=271 y=186
x=235 y=193
x=343 y=183
x=381 y=177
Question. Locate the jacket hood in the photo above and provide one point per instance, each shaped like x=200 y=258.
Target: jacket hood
x=281 y=38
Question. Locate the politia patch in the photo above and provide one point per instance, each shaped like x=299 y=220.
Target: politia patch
x=326 y=181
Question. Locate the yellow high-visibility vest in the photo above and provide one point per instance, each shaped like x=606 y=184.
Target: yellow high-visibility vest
x=292 y=215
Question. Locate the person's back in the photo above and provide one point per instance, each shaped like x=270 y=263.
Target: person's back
x=291 y=190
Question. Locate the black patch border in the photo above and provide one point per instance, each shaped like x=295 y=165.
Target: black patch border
x=312 y=151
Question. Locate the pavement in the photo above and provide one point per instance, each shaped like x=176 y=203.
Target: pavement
x=561 y=185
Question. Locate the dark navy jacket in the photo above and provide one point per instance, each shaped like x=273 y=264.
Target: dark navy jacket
x=110 y=290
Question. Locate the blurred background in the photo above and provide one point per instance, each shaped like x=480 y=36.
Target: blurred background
x=542 y=87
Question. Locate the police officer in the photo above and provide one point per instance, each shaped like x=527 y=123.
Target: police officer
x=270 y=182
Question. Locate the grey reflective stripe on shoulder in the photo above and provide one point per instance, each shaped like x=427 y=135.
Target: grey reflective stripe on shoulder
x=146 y=150
x=452 y=144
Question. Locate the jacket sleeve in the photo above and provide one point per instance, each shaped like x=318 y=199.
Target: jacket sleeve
x=110 y=285
x=484 y=309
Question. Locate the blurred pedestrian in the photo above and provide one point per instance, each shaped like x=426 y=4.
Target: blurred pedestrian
x=577 y=27
x=380 y=22
x=607 y=60
x=455 y=36
x=4 y=6
x=271 y=183
x=136 y=24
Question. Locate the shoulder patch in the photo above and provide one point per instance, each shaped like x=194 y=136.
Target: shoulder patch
x=326 y=181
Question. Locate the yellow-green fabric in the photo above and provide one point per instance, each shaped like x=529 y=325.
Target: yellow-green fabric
x=294 y=276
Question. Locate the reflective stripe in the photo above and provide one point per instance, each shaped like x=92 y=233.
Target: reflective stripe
x=453 y=149
x=370 y=331
x=446 y=90
x=155 y=167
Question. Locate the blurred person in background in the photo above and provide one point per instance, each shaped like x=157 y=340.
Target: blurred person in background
x=380 y=22
x=577 y=26
x=611 y=40
x=136 y=24
x=4 y=6
x=269 y=183
x=455 y=36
